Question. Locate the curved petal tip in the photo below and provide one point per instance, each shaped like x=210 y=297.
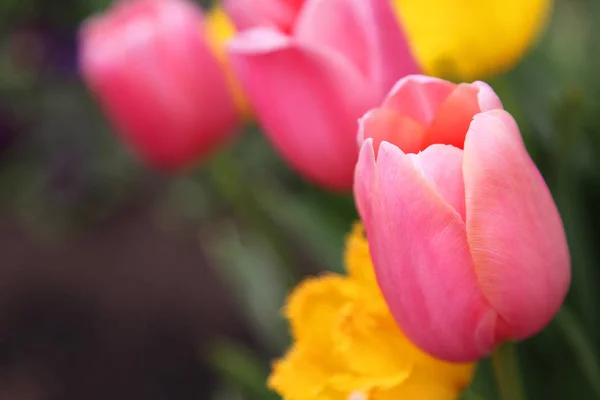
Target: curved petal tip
x=258 y=41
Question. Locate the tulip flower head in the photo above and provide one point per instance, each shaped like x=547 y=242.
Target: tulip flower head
x=151 y=66
x=347 y=345
x=308 y=88
x=468 y=246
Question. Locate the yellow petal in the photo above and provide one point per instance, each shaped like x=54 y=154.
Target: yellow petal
x=471 y=39
x=300 y=375
x=220 y=27
x=313 y=307
x=368 y=353
x=429 y=391
x=303 y=375
x=358 y=258
x=357 y=386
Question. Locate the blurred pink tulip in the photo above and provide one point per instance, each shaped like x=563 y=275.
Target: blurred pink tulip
x=468 y=246
x=309 y=88
x=157 y=78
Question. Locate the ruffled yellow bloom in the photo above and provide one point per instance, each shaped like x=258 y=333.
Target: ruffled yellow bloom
x=472 y=39
x=219 y=29
x=348 y=346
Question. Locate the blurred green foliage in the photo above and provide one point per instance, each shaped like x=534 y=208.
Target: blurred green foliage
x=62 y=172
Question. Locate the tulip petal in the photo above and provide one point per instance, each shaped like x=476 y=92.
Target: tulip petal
x=418 y=97
x=441 y=165
x=333 y=24
x=488 y=99
x=364 y=178
x=453 y=117
x=514 y=229
x=385 y=36
x=384 y=124
x=247 y=14
x=427 y=276
x=305 y=98
x=364 y=31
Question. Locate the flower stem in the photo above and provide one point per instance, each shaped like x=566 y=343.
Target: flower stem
x=239 y=193
x=581 y=345
x=506 y=369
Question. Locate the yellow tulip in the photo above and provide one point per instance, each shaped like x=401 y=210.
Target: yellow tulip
x=471 y=39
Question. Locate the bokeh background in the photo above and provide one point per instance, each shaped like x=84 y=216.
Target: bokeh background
x=117 y=282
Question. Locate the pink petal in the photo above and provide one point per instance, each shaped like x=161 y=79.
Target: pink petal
x=421 y=256
x=385 y=36
x=418 y=97
x=364 y=31
x=441 y=165
x=453 y=117
x=333 y=24
x=364 y=176
x=247 y=14
x=514 y=230
x=487 y=98
x=384 y=124
x=307 y=100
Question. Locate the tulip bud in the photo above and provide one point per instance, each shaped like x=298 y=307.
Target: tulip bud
x=468 y=246
x=151 y=67
x=308 y=88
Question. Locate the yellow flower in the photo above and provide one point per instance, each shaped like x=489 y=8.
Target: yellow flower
x=348 y=346
x=471 y=39
x=219 y=29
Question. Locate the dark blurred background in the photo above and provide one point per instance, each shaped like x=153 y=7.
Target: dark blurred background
x=117 y=282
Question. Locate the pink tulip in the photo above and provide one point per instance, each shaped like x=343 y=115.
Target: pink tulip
x=309 y=88
x=468 y=246
x=154 y=73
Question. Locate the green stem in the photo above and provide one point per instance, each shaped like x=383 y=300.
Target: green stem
x=469 y=394
x=582 y=347
x=506 y=369
x=236 y=190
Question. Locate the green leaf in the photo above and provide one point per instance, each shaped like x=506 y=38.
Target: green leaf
x=250 y=266
x=242 y=368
